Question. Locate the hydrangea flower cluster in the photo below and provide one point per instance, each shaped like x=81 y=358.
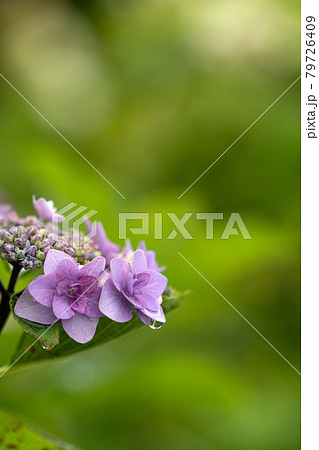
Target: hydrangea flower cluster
x=80 y=285
x=28 y=240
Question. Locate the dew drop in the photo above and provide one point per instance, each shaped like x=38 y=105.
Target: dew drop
x=155 y=325
x=45 y=347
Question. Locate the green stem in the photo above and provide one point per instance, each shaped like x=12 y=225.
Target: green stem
x=14 y=276
x=6 y=295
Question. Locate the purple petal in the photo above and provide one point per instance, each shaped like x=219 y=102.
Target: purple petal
x=80 y=327
x=120 y=270
x=61 y=307
x=94 y=268
x=139 y=263
x=43 y=289
x=57 y=218
x=156 y=284
x=92 y=291
x=92 y=309
x=150 y=258
x=142 y=246
x=129 y=284
x=62 y=286
x=79 y=305
x=105 y=246
x=28 y=308
x=87 y=224
x=152 y=263
x=41 y=208
x=140 y=280
x=127 y=248
x=46 y=210
x=53 y=260
x=145 y=319
x=5 y=208
x=145 y=315
x=145 y=301
x=89 y=285
x=113 y=304
x=68 y=269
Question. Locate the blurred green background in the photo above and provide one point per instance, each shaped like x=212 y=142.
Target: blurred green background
x=151 y=92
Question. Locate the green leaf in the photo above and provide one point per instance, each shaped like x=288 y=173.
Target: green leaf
x=48 y=335
x=29 y=350
x=14 y=434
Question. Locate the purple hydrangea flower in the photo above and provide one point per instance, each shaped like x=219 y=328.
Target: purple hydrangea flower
x=149 y=254
x=132 y=286
x=103 y=244
x=67 y=292
x=46 y=210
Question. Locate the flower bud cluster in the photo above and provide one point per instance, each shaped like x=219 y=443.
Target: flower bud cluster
x=28 y=240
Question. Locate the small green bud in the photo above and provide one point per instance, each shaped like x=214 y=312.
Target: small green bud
x=9 y=237
x=42 y=232
x=20 y=253
x=34 y=239
x=40 y=255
